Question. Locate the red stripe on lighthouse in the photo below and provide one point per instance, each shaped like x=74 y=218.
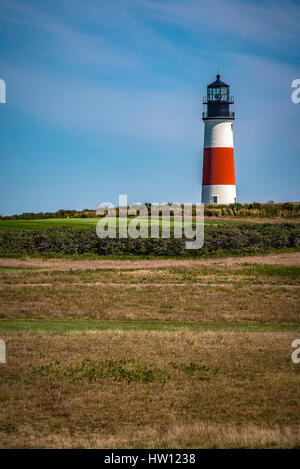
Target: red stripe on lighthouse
x=218 y=166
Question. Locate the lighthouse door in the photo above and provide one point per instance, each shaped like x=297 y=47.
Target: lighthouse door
x=214 y=199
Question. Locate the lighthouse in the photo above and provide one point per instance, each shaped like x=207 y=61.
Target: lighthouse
x=218 y=177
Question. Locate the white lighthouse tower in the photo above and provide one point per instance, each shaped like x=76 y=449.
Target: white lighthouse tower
x=218 y=178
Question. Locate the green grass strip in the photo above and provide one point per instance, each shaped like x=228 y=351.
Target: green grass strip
x=92 y=222
x=75 y=325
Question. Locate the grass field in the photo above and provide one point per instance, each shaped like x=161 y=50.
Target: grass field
x=183 y=389
x=92 y=222
x=74 y=222
x=46 y=223
x=153 y=354
x=255 y=294
x=61 y=326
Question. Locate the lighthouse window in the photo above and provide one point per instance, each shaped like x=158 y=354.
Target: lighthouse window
x=217 y=94
x=224 y=93
x=215 y=199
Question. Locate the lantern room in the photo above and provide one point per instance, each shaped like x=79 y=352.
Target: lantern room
x=218 y=100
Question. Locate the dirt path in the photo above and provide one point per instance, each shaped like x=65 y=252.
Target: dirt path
x=63 y=264
x=144 y=285
x=254 y=220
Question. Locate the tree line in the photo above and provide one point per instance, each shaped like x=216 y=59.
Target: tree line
x=250 y=210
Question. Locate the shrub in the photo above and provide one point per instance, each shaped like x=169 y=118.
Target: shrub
x=218 y=240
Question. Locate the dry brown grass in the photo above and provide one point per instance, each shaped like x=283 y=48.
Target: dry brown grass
x=240 y=303
x=252 y=401
x=196 y=435
x=214 y=292
x=206 y=274
x=63 y=264
x=256 y=220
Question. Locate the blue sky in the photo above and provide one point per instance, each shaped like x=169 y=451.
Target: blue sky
x=105 y=97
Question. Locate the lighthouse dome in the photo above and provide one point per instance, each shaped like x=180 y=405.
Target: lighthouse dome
x=218 y=83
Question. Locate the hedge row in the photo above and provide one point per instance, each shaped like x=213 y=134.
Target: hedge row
x=219 y=240
x=255 y=209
